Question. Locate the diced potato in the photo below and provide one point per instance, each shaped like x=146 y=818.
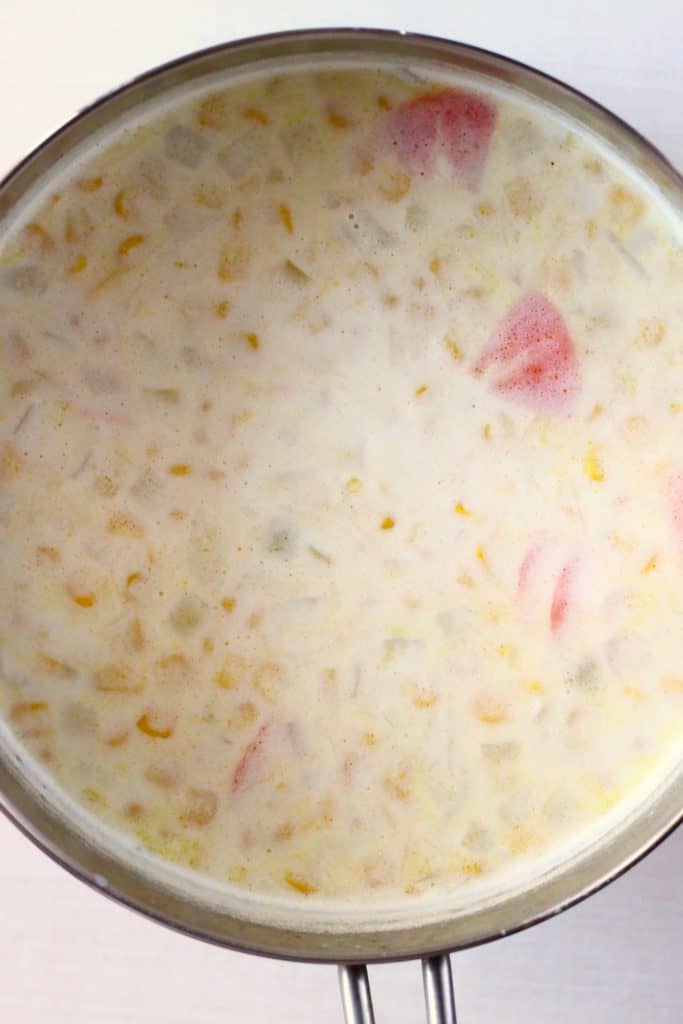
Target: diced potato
x=185 y=146
x=200 y=808
x=117 y=678
x=26 y=280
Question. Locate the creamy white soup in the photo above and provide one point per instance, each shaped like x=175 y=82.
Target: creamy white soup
x=341 y=484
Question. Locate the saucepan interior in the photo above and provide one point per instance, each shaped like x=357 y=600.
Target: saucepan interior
x=153 y=889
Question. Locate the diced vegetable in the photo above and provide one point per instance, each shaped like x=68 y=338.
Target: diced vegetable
x=452 y=122
x=531 y=357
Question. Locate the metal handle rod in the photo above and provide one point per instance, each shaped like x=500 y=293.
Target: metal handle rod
x=438 y=986
x=355 y=993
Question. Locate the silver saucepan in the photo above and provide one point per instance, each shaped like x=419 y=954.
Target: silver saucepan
x=93 y=860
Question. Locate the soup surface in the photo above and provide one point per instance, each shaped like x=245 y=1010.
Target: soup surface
x=341 y=484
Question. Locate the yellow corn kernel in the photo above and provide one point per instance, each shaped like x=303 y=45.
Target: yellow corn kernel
x=79 y=264
x=253 y=340
x=286 y=218
x=255 y=114
x=43 y=237
x=180 y=469
x=232 y=673
x=421 y=390
x=652 y=333
x=387 y=523
x=83 y=600
x=122 y=204
x=460 y=509
x=490 y=710
x=28 y=707
x=424 y=698
x=90 y=184
x=123 y=526
x=337 y=120
x=157 y=731
x=453 y=348
x=592 y=466
x=130 y=243
x=508 y=651
x=470 y=867
x=116 y=738
x=92 y=796
x=47 y=554
x=300 y=884
x=228 y=604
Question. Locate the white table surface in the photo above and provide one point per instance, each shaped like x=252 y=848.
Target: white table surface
x=67 y=954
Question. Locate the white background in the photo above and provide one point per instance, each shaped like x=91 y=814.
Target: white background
x=68 y=955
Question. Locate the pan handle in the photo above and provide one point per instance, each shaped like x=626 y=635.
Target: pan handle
x=438 y=988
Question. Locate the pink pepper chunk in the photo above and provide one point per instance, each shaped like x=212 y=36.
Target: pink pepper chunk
x=546 y=576
x=563 y=594
x=527 y=566
x=247 y=766
x=453 y=122
x=531 y=357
